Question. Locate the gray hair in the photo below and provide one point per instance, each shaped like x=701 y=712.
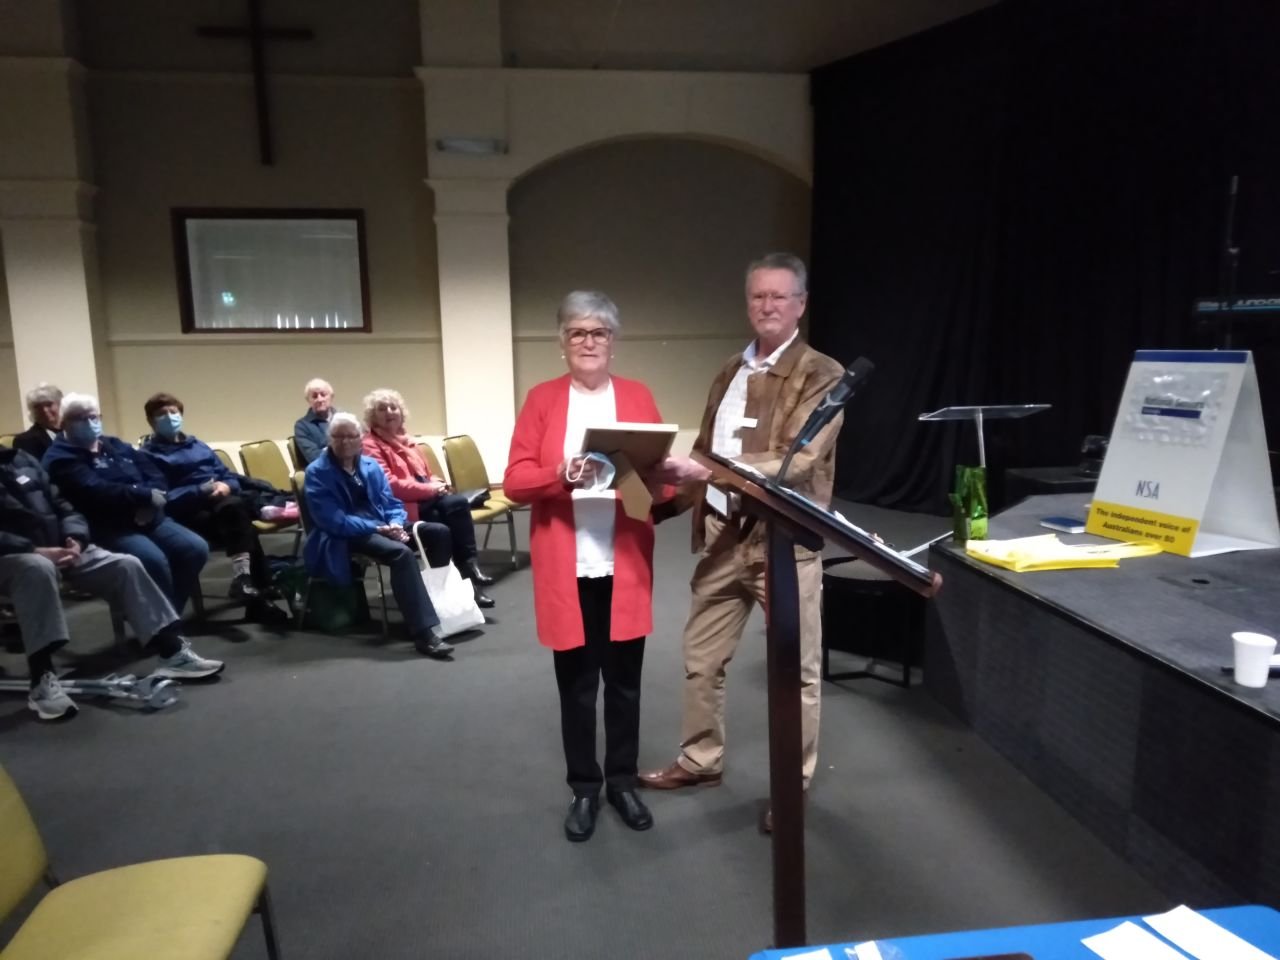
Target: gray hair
x=78 y=405
x=588 y=303
x=781 y=261
x=44 y=393
x=382 y=395
x=316 y=382
x=345 y=417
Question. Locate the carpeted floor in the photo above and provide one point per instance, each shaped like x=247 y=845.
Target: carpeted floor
x=409 y=808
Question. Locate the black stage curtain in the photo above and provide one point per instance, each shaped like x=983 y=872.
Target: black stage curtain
x=1007 y=206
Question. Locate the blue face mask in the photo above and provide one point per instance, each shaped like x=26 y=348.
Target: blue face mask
x=168 y=425
x=83 y=433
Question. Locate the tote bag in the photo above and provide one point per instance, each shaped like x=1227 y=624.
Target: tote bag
x=454 y=600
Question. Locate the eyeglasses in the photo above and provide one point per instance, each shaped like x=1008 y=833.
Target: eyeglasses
x=94 y=417
x=760 y=299
x=577 y=335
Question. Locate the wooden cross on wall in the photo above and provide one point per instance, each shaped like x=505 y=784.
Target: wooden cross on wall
x=258 y=35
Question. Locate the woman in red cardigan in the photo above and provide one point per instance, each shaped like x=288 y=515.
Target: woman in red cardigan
x=447 y=531
x=592 y=564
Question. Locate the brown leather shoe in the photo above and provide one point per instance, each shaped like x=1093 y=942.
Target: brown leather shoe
x=675 y=776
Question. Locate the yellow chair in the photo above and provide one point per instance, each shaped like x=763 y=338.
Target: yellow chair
x=433 y=462
x=6 y=440
x=225 y=459
x=189 y=907
x=292 y=444
x=264 y=461
x=467 y=472
x=299 y=481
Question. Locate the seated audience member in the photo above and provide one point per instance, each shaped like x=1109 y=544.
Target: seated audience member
x=43 y=406
x=203 y=495
x=311 y=430
x=121 y=493
x=41 y=536
x=447 y=531
x=351 y=510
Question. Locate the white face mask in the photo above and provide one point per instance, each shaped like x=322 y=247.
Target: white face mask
x=605 y=472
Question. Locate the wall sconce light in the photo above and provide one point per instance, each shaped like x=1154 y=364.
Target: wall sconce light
x=476 y=146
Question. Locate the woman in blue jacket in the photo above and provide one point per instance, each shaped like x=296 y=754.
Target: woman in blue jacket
x=123 y=497
x=203 y=495
x=350 y=509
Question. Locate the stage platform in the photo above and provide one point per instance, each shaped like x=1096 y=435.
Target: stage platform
x=1105 y=688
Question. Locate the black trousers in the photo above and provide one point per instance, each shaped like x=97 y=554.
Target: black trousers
x=447 y=532
x=228 y=522
x=578 y=673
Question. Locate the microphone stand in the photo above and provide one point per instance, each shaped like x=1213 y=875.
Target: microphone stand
x=1229 y=267
x=786 y=461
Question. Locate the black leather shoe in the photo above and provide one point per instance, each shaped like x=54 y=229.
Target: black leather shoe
x=473 y=572
x=430 y=645
x=630 y=808
x=263 y=611
x=483 y=600
x=580 y=822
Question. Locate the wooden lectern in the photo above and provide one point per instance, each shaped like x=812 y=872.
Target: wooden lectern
x=792 y=520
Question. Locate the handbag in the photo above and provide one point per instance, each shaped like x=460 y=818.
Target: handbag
x=475 y=498
x=454 y=600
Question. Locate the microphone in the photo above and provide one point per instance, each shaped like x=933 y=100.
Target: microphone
x=826 y=411
x=835 y=401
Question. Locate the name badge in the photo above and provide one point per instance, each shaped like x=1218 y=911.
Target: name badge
x=23 y=480
x=748 y=423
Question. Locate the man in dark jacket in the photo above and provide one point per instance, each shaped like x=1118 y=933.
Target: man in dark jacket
x=42 y=537
x=43 y=406
x=311 y=431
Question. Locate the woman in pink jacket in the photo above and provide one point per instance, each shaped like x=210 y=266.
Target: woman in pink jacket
x=592 y=564
x=447 y=531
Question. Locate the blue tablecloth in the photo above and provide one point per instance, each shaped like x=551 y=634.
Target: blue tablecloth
x=1050 y=941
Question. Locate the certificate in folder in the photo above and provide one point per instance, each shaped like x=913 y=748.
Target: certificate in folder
x=633 y=448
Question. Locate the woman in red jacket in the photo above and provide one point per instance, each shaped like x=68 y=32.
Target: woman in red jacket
x=447 y=530
x=592 y=564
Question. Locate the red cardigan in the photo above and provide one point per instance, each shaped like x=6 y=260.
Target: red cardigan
x=537 y=448
x=402 y=464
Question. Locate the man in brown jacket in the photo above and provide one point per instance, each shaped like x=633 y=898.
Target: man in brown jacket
x=757 y=405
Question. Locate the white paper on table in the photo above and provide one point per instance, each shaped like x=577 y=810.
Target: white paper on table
x=865 y=951
x=821 y=953
x=718 y=500
x=1130 y=942
x=1202 y=938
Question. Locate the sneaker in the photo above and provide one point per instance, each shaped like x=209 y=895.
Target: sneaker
x=186 y=664
x=49 y=700
x=242 y=588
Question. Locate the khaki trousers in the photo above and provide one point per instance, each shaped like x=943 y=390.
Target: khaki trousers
x=726 y=584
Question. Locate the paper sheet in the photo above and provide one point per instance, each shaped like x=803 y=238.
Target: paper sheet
x=1202 y=938
x=864 y=951
x=820 y=954
x=1130 y=942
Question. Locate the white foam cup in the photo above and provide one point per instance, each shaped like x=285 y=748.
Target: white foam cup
x=1253 y=658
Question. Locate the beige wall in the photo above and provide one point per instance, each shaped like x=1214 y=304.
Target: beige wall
x=171 y=140
x=10 y=396
x=664 y=227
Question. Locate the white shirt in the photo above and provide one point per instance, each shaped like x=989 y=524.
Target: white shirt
x=726 y=435
x=593 y=513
